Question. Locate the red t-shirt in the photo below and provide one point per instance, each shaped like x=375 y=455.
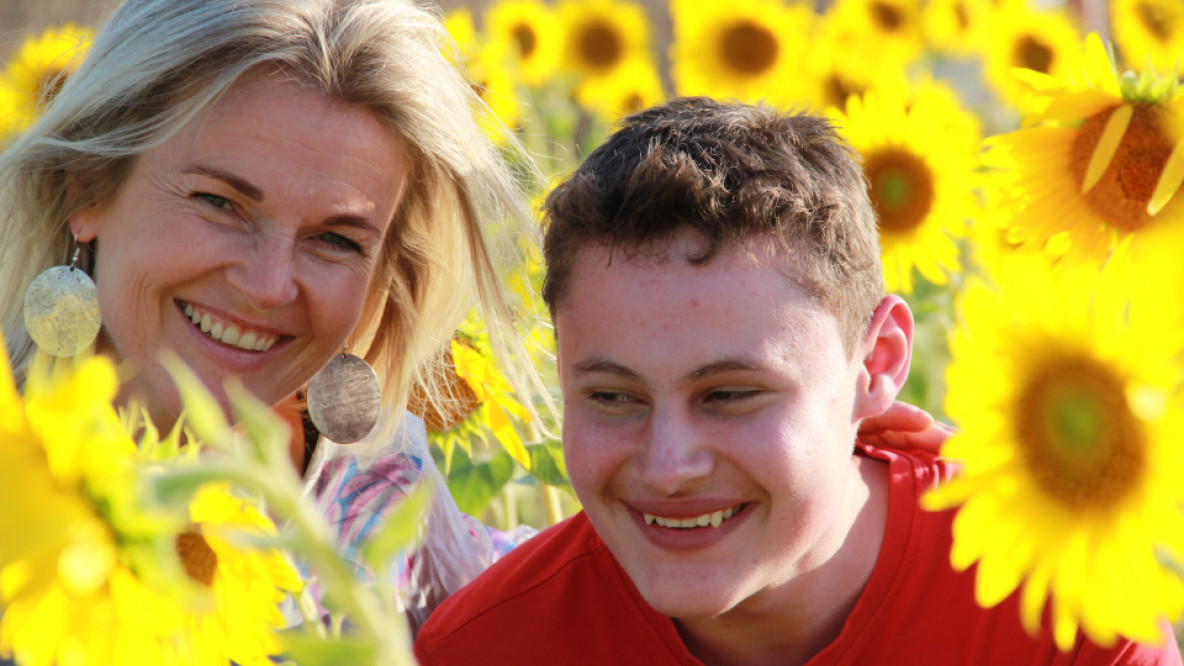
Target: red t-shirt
x=561 y=598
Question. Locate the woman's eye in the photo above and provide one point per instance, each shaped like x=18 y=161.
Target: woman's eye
x=221 y=203
x=337 y=241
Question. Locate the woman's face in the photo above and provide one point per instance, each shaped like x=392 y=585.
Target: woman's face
x=246 y=242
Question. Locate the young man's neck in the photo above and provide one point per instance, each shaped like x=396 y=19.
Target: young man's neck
x=811 y=610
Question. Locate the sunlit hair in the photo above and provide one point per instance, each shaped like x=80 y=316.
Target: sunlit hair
x=158 y=63
x=736 y=174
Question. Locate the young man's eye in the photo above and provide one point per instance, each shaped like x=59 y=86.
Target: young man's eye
x=732 y=395
x=614 y=402
x=339 y=242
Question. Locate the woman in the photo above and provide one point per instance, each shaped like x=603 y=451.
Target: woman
x=261 y=185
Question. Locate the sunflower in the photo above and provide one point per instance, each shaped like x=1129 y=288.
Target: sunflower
x=30 y=81
x=90 y=570
x=1021 y=36
x=600 y=36
x=836 y=73
x=470 y=399
x=919 y=156
x=746 y=50
x=491 y=76
x=955 y=27
x=531 y=31
x=636 y=85
x=463 y=31
x=880 y=32
x=1150 y=32
x=1065 y=387
x=1099 y=164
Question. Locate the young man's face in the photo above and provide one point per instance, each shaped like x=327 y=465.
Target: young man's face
x=718 y=396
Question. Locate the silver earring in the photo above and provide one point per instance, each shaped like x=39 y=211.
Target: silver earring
x=345 y=398
x=62 y=309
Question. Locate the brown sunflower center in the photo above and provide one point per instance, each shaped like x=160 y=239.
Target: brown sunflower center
x=749 y=48
x=453 y=400
x=1078 y=437
x=632 y=103
x=1155 y=19
x=901 y=188
x=599 y=45
x=199 y=559
x=1033 y=53
x=962 y=16
x=888 y=17
x=527 y=41
x=1125 y=188
x=836 y=90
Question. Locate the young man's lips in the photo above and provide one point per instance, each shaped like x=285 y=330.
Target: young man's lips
x=671 y=527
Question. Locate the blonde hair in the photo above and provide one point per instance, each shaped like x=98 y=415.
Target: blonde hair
x=158 y=63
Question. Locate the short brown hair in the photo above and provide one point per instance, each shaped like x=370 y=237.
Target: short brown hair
x=732 y=172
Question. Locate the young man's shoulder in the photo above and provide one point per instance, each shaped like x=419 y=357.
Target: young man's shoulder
x=558 y=598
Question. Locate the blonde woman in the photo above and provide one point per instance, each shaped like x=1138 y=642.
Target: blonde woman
x=307 y=173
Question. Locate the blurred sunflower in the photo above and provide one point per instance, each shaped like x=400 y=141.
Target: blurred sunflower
x=747 y=50
x=1068 y=451
x=955 y=27
x=835 y=73
x=636 y=85
x=470 y=399
x=460 y=26
x=600 y=36
x=1022 y=36
x=879 y=32
x=492 y=79
x=1099 y=165
x=531 y=31
x=93 y=572
x=31 y=80
x=919 y=156
x=1150 y=32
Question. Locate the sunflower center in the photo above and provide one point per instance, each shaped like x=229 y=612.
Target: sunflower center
x=454 y=400
x=887 y=16
x=1121 y=195
x=836 y=90
x=1032 y=53
x=526 y=39
x=632 y=103
x=600 y=46
x=901 y=189
x=199 y=559
x=962 y=16
x=1078 y=437
x=1155 y=19
x=749 y=48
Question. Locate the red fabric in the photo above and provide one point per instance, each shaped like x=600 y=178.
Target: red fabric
x=561 y=598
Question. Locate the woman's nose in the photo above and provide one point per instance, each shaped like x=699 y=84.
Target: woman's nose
x=265 y=274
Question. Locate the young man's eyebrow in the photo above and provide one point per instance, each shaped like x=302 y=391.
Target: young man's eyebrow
x=603 y=365
x=719 y=367
x=233 y=180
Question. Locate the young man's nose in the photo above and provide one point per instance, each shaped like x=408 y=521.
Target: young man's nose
x=675 y=454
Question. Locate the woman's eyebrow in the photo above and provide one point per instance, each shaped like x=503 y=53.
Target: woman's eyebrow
x=235 y=181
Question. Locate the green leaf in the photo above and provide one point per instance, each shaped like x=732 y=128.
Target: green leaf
x=547 y=464
x=202 y=410
x=266 y=431
x=400 y=528
x=310 y=650
x=474 y=485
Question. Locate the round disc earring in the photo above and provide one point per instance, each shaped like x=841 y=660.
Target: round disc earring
x=345 y=398
x=62 y=309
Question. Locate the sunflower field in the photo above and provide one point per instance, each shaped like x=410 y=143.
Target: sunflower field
x=1026 y=161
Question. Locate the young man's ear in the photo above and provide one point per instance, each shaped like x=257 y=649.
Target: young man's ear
x=887 y=350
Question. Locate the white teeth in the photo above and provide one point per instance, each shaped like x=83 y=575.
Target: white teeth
x=228 y=335
x=247 y=341
x=714 y=519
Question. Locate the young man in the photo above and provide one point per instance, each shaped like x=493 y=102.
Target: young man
x=722 y=331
